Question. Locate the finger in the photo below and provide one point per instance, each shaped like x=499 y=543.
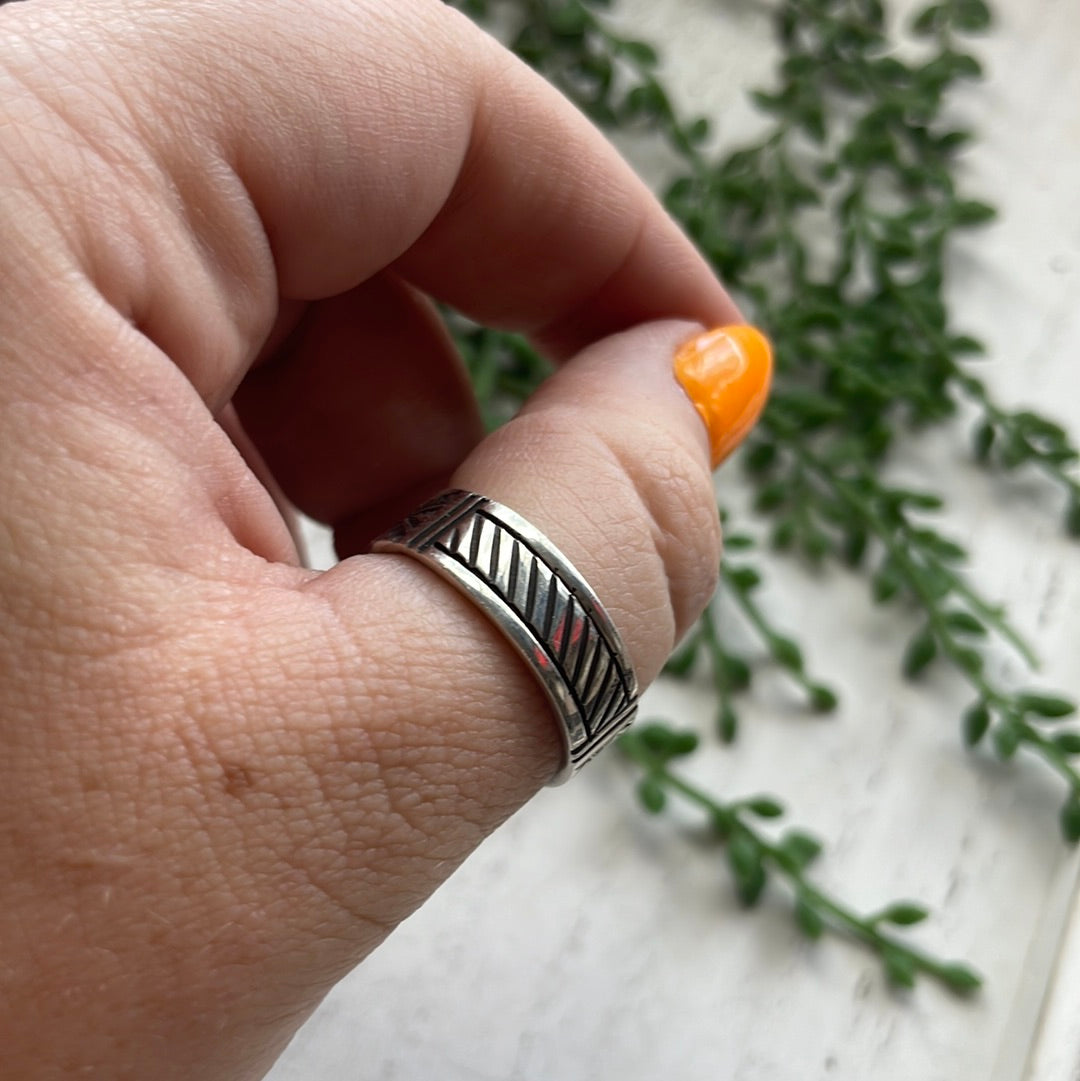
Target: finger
x=575 y=246
x=413 y=707
x=326 y=148
x=365 y=403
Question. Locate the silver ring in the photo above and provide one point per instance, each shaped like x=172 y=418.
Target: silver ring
x=539 y=601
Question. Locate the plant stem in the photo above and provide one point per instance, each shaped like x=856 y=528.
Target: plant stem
x=865 y=929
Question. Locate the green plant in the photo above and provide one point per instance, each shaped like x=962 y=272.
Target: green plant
x=753 y=857
x=833 y=228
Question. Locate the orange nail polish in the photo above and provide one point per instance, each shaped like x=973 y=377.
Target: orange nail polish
x=726 y=372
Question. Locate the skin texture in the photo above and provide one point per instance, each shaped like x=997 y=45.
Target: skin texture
x=225 y=778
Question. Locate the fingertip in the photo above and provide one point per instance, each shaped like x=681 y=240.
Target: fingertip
x=727 y=373
x=610 y=459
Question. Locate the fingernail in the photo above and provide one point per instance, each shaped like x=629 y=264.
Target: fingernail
x=726 y=372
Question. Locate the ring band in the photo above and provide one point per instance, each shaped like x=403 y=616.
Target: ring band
x=539 y=601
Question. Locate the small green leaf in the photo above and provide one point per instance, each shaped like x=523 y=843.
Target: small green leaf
x=682 y=190
x=1072 y=516
x=751 y=887
x=764 y=806
x=963 y=66
x=949 y=143
x=760 y=457
x=665 y=742
x=648 y=101
x=964 y=623
x=800 y=848
x=983 y=440
x=892 y=70
x=971 y=16
x=530 y=45
x=653 y=737
x=772 y=496
x=569 y=21
x=727 y=723
x=744 y=852
x=874 y=13
x=640 y=52
x=904 y=914
x=776 y=104
x=976 y=723
x=721 y=822
x=783 y=536
x=733 y=672
x=1006 y=739
x=968 y=660
x=1015 y=451
x=921 y=501
x=920 y=652
x=946 y=550
x=1068 y=742
x=1070 y=819
x=960 y=978
x=970 y=212
x=786 y=652
x=965 y=345
x=900 y=967
x=886 y=583
x=744 y=857
x=811 y=118
x=651 y=795
x=927 y=21
x=698 y=131
x=798 y=66
x=744 y=579
x=788 y=24
x=815 y=545
x=682 y=743
x=808 y=919
x=738 y=542
x=853 y=549
x=899 y=249
x=1047 y=706
x=822 y=699
x=1059 y=455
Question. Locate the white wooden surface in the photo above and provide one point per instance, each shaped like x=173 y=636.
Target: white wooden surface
x=584 y=942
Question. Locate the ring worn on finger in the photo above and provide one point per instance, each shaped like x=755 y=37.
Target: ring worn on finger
x=543 y=606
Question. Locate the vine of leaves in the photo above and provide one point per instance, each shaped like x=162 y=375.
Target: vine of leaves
x=833 y=228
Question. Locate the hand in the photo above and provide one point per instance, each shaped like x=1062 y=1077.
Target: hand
x=225 y=778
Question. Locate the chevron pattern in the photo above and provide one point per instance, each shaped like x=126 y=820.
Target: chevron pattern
x=560 y=618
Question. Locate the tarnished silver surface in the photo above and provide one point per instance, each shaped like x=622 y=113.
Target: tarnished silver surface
x=539 y=601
